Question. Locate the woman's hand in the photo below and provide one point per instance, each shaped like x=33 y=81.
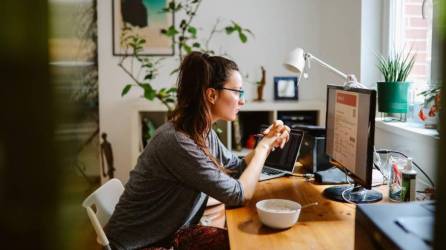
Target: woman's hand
x=275 y=135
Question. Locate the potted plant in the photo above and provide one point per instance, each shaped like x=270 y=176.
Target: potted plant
x=429 y=110
x=393 y=92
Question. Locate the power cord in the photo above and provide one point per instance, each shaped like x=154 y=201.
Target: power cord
x=386 y=151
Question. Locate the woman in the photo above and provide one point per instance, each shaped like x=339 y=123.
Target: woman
x=185 y=163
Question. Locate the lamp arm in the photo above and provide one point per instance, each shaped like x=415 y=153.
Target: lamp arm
x=310 y=56
x=351 y=79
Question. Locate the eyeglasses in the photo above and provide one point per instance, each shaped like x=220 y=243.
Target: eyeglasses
x=241 y=92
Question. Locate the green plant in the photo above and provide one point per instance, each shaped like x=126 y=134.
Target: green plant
x=396 y=67
x=185 y=37
x=149 y=65
x=149 y=130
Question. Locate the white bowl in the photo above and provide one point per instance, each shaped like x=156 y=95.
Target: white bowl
x=278 y=213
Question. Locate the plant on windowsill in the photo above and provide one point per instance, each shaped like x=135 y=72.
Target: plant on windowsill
x=393 y=92
x=185 y=39
x=430 y=109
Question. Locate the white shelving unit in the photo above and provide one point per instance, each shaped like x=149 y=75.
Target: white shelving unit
x=268 y=110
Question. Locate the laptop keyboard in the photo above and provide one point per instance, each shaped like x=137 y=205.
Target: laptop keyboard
x=269 y=171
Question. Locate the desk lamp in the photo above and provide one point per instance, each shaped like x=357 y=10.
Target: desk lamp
x=298 y=59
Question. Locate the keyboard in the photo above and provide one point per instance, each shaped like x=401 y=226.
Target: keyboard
x=269 y=171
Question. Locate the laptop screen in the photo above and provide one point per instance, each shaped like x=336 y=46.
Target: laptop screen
x=284 y=159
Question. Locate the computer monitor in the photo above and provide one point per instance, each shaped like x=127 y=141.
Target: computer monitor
x=350 y=131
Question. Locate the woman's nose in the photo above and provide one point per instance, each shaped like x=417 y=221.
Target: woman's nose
x=241 y=101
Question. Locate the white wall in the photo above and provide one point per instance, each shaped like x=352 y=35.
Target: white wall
x=329 y=29
x=340 y=39
x=371 y=40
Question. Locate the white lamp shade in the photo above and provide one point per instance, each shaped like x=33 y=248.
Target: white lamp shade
x=295 y=61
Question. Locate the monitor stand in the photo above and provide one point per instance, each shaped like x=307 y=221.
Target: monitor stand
x=357 y=194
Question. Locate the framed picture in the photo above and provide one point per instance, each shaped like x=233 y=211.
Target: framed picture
x=285 y=88
x=145 y=18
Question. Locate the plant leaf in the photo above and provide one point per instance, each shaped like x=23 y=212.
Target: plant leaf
x=174 y=71
x=149 y=92
x=126 y=89
x=242 y=37
x=171 y=100
x=171 y=31
x=148 y=76
x=192 y=30
x=186 y=47
x=172 y=90
x=229 y=30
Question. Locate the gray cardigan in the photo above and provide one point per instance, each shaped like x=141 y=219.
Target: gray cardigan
x=169 y=187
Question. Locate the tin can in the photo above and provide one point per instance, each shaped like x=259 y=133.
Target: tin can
x=409 y=176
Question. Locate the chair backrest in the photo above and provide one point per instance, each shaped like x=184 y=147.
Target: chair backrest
x=104 y=199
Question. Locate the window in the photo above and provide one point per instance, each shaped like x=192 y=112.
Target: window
x=412 y=25
x=411 y=28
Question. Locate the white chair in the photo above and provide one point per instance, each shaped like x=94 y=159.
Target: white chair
x=104 y=199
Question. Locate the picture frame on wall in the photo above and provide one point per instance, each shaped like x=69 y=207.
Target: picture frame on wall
x=146 y=19
x=285 y=88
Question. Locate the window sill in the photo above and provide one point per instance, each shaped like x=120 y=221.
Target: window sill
x=407 y=129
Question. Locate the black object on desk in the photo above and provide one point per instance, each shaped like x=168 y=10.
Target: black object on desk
x=394 y=226
x=312 y=152
x=332 y=176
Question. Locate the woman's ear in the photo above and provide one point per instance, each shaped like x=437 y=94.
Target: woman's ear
x=211 y=95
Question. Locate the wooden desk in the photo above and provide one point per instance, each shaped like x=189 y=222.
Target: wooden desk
x=330 y=225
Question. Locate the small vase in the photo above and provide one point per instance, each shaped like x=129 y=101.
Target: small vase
x=429 y=121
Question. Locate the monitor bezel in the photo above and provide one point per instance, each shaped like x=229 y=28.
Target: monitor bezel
x=367 y=183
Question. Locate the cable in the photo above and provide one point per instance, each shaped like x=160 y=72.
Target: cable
x=386 y=151
x=347 y=190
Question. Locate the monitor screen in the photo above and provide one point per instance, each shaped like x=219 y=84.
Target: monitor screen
x=350 y=125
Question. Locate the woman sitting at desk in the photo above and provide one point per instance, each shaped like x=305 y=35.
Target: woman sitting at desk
x=185 y=163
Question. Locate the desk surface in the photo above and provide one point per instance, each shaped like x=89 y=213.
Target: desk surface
x=330 y=225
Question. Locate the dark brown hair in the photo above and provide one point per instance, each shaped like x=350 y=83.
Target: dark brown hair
x=192 y=114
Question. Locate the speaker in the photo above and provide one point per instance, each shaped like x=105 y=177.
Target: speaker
x=312 y=152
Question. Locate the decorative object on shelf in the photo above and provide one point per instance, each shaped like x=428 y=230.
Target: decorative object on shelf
x=261 y=85
x=107 y=164
x=285 y=88
x=429 y=110
x=184 y=36
x=251 y=142
x=143 y=19
x=393 y=92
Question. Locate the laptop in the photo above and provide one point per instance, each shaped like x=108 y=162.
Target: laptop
x=281 y=162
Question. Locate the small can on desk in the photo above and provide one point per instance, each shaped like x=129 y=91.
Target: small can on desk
x=409 y=176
